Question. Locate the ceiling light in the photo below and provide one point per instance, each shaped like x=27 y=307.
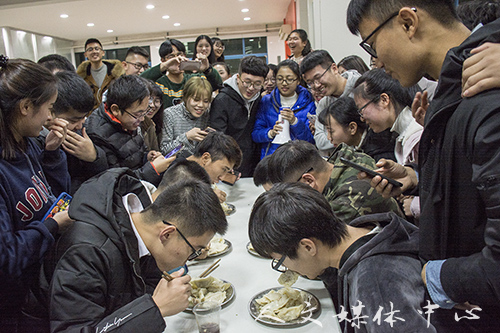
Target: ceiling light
x=150 y=6
x=165 y=17
x=245 y=10
x=176 y=24
x=64 y=16
x=247 y=18
x=110 y=30
x=90 y=24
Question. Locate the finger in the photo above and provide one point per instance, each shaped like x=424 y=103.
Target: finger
x=84 y=133
x=480 y=48
x=481 y=85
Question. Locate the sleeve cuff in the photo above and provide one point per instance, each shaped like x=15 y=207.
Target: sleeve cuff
x=51 y=226
x=434 y=286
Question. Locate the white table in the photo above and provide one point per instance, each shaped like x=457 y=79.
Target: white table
x=249 y=275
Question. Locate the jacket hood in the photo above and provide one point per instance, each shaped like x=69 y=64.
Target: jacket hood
x=304 y=98
x=397 y=236
x=233 y=83
x=115 y=68
x=352 y=76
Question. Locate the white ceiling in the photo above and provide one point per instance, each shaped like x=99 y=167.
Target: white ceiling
x=130 y=17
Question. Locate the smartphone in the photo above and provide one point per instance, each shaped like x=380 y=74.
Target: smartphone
x=311 y=117
x=61 y=204
x=370 y=172
x=174 y=151
x=209 y=130
x=190 y=65
x=230 y=178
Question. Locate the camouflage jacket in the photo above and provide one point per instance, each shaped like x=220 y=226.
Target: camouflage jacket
x=350 y=197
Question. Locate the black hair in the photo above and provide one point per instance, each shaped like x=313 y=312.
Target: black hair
x=293 y=159
x=211 y=55
x=273 y=68
x=253 y=66
x=126 y=90
x=303 y=37
x=226 y=66
x=92 y=41
x=56 y=62
x=315 y=58
x=344 y=111
x=20 y=79
x=191 y=205
x=261 y=173
x=221 y=58
x=73 y=93
x=137 y=50
x=182 y=170
x=277 y=222
x=375 y=82
x=353 y=62
x=219 y=145
x=155 y=91
x=442 y=11
x=290 y=64
x=471 y=13
x=166 y=47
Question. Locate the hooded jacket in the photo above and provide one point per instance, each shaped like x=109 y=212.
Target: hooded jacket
x=114 y=70
x=268 y=115
x=383 y=270
x=460 y=184
x=234 y=115
x=95 y=281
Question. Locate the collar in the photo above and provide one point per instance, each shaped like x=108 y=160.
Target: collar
x=114 y=119
x=133 y=205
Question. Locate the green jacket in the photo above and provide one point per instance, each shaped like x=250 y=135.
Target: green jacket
x=173 y=91
x=350 y=197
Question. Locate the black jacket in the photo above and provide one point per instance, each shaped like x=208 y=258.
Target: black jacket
x=122 y=148
x=229 y=115
x=460 y=184
x=94 y=278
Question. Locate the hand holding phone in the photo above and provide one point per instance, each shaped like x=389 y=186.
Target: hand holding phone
x=175 y=151
x=370 y=172
x=190 y=65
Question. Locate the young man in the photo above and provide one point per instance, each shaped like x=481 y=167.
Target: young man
x=376 y=256
x=300 y=161
x=459 y=156
x=114 y=128
x=169 y=76
x=234 y=109
x=100 y=273
x=136 y=61
x=96 y=72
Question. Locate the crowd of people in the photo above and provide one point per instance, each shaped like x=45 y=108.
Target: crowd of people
x=424 y=113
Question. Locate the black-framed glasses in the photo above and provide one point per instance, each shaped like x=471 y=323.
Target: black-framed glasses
x=140 y=115
x=314 y=82
x=90 y=49
x=196 y=253
x=307 y=171
x=248 y=84
x=374 y=99
x=137 y=65
x=277 y=265
x=287 y=81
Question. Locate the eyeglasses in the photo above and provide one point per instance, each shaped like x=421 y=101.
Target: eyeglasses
x=277 y=264
x=360 y=110
x=140 y=115
x=364 y=43
x=287 y=81
x=315 y=81
x=248 y=84
x=302 y=174
x=90 y=49
x=137 y=65
x=196 y=253
x=273 y=80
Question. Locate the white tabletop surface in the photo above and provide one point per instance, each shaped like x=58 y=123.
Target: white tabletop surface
x=250 y=275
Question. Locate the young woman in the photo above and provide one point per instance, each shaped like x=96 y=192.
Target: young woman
x=223 y=69
x=270 y=81
x=299 y=44
x=203 y=45
x=153 y=121
x=219 y=48
x=289 y=99
x=186 y=123
x=352 y=62
x=30 y=179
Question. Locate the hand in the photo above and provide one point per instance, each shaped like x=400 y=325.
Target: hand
x=391 y=169
x=275 y=130
x=287 y=114
x=80 y=146
x=196 y=134
x=481 y=70
x=312 y=127
x=172 y=297
x=161 y=163
x=406 y=201
x=204 y=252
x=419 y=107
x=63 y=221
x=205 y=64
x=153 y=154
x=164 y=66
x=57 y=134
x=220 y=194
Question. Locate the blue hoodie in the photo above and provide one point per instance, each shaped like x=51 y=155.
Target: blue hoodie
x=268 y=115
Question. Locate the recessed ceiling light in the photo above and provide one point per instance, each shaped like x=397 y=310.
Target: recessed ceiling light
x=110 y=30
x=176 y=24
x=247 y=18
x=150 y=6
x=64 y=16
x=90 y=24
x=165 y=17
x=245 y=10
